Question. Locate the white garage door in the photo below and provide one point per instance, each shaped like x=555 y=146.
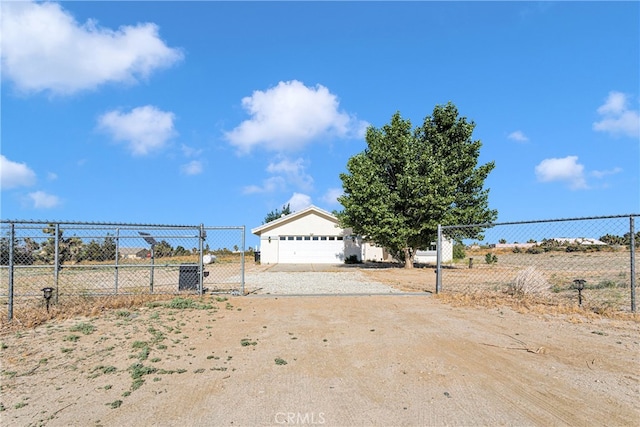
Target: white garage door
x=311 y=249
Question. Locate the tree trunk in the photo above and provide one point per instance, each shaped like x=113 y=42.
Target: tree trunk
x=408 y=258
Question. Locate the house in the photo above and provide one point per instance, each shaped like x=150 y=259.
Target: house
x=313 y=235
x=133 y=253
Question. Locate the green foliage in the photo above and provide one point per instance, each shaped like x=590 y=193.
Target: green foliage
x=459 y=251
x=276 y=214
x=280 y=361
x=407 y=181
x=84 y=327
x=490 y=258
x=352 y=259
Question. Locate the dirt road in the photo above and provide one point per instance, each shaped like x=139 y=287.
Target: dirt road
x=339 y=361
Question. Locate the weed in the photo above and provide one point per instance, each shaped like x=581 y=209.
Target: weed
x=156 y=379
x=155 y=360
x=20 y=405
x=184 y=303
x=138 y=370
x=71 y=338
x=161 y=347
x=280 y=361
x=154 y=316
x=126 y=393
x=198 y=371
x=108 y=387
x=123 y=313
x=84 y=327
x=2 y=408
x=599 y=333
x=221 y=299
x=246 y=342
x=115 y=404
x=66 y=350
x=136 y=384
x=3 y=346
x=490 y=258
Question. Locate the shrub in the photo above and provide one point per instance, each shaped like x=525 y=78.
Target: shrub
x=490 y=258
x=352 y=259
x=527 y=281
x=535 y=250
x=458 y=251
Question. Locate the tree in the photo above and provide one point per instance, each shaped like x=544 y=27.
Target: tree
x=407 y=181
x=275 y=214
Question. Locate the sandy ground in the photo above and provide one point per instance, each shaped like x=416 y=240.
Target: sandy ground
x=336 y=361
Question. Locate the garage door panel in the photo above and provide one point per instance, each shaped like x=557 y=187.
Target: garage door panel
x=311 y=251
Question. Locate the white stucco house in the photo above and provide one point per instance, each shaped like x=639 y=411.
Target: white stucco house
x=312 y=235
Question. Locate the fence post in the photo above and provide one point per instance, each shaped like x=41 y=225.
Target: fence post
x=116 y=261
x=632 y=242
x=439 y=260
x=12 y=236
x=56 y=259
x=202 y=236
x=242 y=263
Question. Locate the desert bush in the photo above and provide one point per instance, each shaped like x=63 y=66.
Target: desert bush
x=490 y=258
x=458 y=251
x=528 y=281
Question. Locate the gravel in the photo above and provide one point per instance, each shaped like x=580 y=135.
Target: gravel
x=307 y=283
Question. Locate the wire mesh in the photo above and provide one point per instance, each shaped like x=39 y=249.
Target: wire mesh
x=584 y=261
x=75 y=263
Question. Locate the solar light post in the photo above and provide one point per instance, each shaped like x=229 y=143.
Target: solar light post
x=48 y=292
x=579 y=285
x=152 y=242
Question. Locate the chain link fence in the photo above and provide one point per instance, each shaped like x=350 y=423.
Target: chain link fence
x=56 y=264
x=584 y=261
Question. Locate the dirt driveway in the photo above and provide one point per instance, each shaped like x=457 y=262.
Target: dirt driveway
x=340 y=361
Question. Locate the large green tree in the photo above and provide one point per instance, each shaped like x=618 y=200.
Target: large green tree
x=407 y=181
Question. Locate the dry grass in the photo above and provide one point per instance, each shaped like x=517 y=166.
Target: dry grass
x=528 y=281
x=30 y=316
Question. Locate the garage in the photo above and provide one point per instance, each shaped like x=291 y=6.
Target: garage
x=309 y=236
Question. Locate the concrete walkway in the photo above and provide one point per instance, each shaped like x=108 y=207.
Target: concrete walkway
x=311 y=267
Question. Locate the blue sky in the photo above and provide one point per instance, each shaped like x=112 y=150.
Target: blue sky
x=219 y=112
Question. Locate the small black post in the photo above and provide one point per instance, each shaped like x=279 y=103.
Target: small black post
x=579 y=285
x=48 y=292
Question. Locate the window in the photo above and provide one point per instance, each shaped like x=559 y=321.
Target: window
x=283 y=237
x=315 y=237
x=323 y=238
x=332 y=237
x=289 y=237
x=339 y=238
x=307 y=237
x=298 y=237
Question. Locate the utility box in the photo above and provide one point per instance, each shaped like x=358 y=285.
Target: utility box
x=189 y=277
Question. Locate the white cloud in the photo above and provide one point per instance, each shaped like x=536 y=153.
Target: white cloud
x=13 y=174
x=617 y=118
x=194 y=167
x=293 y=171
x=331 y=196
x=269 y=185
x=45 y=48
x=42 y=200
x=298 y=202
x=144 y=129
x=291 y=115
x=518 y=136
x=602 y=174
x=52 y=176
x=566 y=170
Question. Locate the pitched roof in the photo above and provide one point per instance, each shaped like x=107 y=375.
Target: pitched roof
x=292 y=217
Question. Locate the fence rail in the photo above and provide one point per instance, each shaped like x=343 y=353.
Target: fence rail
x=590 y=261
x=66 y=263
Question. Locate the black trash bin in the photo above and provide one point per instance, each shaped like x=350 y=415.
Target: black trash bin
x=256 y=256
x=188 y=280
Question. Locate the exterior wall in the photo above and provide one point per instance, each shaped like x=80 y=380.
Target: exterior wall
x=268 y=250
x=430 y=257
x=308 y=224
x=371 y=252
